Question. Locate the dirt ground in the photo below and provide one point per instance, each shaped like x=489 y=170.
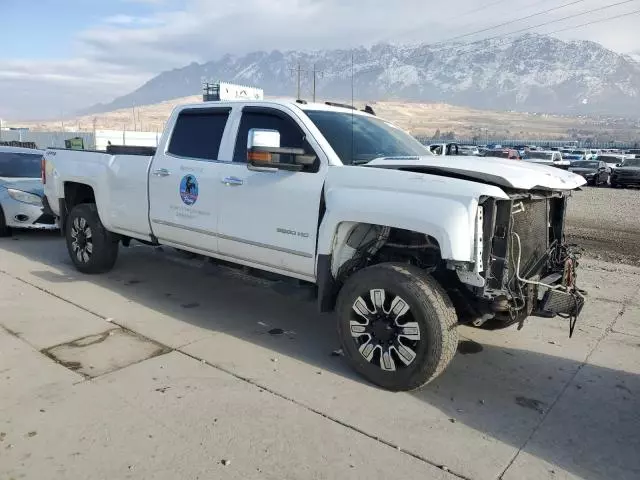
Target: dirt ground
x=606 y=223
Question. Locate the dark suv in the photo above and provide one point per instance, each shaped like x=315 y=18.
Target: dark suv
x=594 y=171
x=628 y=173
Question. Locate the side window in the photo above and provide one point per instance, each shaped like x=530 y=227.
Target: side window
x=198 y=133
x=291 y=136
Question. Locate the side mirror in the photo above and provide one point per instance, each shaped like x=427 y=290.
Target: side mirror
x=264 y=152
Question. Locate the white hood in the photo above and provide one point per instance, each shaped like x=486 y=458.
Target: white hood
x=499 y=171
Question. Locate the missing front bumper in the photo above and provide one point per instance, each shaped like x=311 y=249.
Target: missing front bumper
x=562 y=303
x=562 y=297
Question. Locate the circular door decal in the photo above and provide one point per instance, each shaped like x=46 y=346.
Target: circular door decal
x=189 y=189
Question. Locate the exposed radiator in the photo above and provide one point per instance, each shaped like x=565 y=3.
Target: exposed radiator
x=531 y=223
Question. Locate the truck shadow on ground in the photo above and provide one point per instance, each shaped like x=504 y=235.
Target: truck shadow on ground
x=592 y=431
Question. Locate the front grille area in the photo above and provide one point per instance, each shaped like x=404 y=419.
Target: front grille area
x=537 y=222
x=531 y=224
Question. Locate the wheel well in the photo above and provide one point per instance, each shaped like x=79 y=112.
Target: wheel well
x=74 y=194
x=360 y=245
x=77 y=193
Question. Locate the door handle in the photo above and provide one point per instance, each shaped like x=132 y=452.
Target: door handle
x=161 y=172
x=232 y=181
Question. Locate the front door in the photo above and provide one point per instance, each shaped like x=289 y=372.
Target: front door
x=184 y=179
x=270 y=218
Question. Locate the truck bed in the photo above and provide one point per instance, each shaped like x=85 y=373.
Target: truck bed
x=119 y=183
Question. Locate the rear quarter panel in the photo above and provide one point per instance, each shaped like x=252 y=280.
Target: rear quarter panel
x=119 y=183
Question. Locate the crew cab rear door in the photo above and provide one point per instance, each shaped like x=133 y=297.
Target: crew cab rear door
x=270 y=217
x=184 y=178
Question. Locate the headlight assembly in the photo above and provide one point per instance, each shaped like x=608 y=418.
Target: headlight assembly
x=24 y=197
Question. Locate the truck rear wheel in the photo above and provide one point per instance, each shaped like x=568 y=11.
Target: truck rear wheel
x=397 y=326
x=92 y=248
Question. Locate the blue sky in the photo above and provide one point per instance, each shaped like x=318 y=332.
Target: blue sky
x=53 y=24
x=59 y=56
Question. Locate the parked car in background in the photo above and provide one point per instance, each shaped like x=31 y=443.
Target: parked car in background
x=595 y=172
x=612 y=160
x=445 y=149
x=627 y=173
x=471 y=150
x=21 y=191
x=578 y=154
x=550 y=158
x=509 y=153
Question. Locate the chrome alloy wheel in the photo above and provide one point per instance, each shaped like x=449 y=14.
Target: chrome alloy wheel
x=384 y=330
x=82 y=236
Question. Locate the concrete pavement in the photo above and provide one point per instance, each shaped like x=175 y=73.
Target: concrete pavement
x=199 y=379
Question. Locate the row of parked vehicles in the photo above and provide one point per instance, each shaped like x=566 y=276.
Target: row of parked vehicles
x=613 y=167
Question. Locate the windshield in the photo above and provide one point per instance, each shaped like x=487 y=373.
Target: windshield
x=358 y=139
x=609 y=159
x=585 y=164
x=631 y=162
x=19 y=165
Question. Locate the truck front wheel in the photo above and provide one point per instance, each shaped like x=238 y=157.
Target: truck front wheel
x=92 y=248
x=397 y=326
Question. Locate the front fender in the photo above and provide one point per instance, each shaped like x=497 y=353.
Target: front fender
x=444 y=208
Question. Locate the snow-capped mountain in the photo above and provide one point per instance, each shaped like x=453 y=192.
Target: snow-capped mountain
x=534 y=73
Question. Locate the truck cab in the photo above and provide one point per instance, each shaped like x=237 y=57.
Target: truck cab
x=401 y=244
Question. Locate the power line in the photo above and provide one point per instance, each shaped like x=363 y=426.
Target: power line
x=458 y=16
x=527 y=28
x=628 y=14
x=516 y=20
x=552 y=22
x=565 y=18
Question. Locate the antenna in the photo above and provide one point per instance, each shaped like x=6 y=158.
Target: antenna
x=352 y=109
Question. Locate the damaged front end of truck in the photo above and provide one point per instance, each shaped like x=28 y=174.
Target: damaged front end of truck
x=528 y=269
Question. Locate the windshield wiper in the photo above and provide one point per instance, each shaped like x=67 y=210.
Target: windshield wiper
x=360 y=162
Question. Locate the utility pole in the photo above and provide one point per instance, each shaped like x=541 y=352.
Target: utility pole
x=298 y=70
x=316 y=73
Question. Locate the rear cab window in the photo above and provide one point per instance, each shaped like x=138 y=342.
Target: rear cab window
x=198 y=133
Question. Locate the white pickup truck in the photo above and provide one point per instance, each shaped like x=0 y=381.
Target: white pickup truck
x=402 y=244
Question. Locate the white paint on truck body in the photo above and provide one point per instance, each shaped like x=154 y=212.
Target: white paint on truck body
x=270 y=218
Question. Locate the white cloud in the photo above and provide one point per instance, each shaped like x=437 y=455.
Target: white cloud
x=124 y=50
x=57 y=88
x=129 y=20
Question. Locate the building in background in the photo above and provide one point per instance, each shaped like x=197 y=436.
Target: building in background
x=217 y=91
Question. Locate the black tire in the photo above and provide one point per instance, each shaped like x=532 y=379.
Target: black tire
x=4 y=230
x=104 y=244
x=429 y=306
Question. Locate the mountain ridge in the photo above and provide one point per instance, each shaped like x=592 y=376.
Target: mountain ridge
x=534 y=73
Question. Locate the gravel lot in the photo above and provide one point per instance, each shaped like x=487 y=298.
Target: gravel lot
x=606 y=222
